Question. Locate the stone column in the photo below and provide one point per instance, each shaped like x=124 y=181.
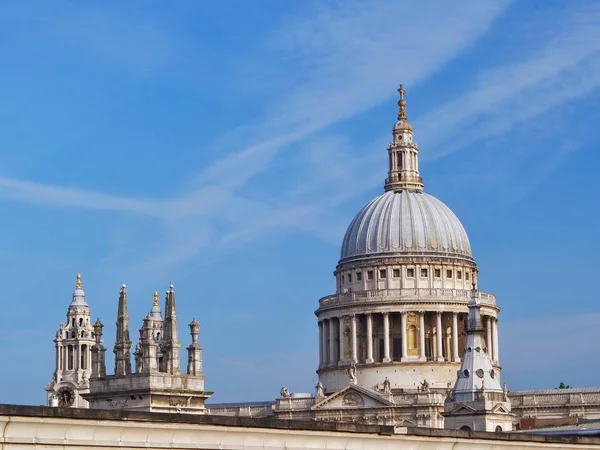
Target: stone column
x=354 y=338
x=369 y=338
x=331 y=360
x=422 y=356
x=320 y=343
x=495 y=340
x=403 y=326
x=386 y=337
x=488 y=339
x=455 y=357
x=440 y=334
x=341 y=337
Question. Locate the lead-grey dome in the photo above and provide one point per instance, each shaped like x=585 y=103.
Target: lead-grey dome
x=405 y=222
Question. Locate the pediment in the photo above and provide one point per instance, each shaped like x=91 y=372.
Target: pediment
x=463 y=408
x=353 y=397
x=500 y=409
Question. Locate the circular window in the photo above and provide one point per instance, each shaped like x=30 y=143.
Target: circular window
x=466 y=373
x=478 y=349
x=479 y=373
x=492 y=373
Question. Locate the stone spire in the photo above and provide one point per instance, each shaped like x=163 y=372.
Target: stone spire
x=194 y=351
x=171 y=344
x=122 y=347
x=403 y=154
x=98 y=352
x=477 y=400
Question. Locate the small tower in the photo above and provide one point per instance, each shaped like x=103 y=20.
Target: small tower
x=73 y=344
x=403 y=154
x=194 y=351
x=477 y=402
x=122 y=348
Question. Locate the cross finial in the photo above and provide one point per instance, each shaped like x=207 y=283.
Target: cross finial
x=401 y=104
x=78 y=284
x=155 y=298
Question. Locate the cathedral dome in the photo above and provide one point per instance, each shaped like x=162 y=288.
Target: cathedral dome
x=405 y=222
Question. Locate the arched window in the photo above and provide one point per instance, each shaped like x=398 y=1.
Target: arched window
x=412 y=338
x=80 y=322
x=73 y=322
x=498 y=429
x=465 y=428
x=70 y=355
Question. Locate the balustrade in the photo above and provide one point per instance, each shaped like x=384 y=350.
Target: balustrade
x=386 y=295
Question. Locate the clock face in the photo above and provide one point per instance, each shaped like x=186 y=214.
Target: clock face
x=66 y=396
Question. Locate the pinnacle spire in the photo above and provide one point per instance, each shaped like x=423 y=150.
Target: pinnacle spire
x=171 y=342
x=122 y=346
x=155 y=298
x=78 y=283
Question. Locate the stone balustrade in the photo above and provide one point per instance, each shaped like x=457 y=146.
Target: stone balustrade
x=420 y=294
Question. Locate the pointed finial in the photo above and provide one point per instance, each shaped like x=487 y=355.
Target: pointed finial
x=155 y=298
x=401 y=104
x=170 y=285
x=78 y=284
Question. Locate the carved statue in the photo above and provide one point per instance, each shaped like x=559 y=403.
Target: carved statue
x=425 y=386
x=387 y=386
x=352 y=373
x=285 y=392
x=320 y=389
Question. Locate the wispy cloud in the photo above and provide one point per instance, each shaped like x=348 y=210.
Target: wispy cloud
x=565 y=68
x=341 y=60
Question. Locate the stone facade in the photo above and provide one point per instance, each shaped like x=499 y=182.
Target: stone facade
x=30 y=428
x=156 y=383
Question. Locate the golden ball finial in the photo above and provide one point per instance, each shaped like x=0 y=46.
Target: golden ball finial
x=78 y=284
x=401 y=104
x=155 y=298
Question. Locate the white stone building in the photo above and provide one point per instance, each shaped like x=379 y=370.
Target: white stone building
x=73 y=344
x=392 y=338
x=156 y=385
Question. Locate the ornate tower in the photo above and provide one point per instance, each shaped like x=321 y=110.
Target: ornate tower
x=403 y=283
x=73 y=344
x=157 y=384
x=477 y=402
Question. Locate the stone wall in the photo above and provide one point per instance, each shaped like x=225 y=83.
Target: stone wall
x=27 y=427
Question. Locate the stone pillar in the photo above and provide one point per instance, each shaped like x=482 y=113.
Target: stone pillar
x=455 y=357
x=369 y=339
x=320 y=324
x=422 y=356
x=495 y=340
x=386 y=337
x=354 y=338
x=331 y=360
x=404 y=346
x=488 y=339
x=439 y=334
x=341 y=338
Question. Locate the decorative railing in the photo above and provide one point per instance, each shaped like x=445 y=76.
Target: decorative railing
x=420 y=294
x=295 y=403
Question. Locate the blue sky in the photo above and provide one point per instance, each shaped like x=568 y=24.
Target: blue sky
x=225 y=146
